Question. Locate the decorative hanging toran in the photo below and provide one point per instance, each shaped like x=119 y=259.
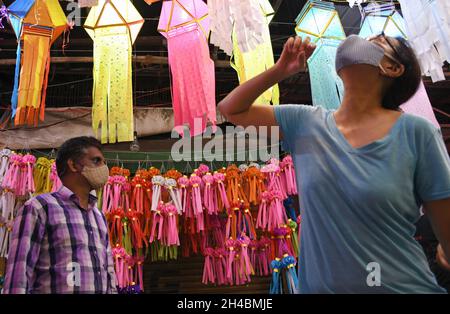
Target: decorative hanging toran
x=36 y=23
x=113 y=25
x=185 y=24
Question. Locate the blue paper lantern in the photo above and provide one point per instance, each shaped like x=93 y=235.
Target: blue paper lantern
x=382 y=18
x=320 y=21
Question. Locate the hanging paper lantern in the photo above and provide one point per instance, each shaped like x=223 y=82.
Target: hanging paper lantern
x=113 y=25
x=38 y=23
x=382 y=18
x=385 y=18
x=185 y=24
x=428 y=29
x=245 y=17
x=320 y=21
x=255 y=61
x=241 y=29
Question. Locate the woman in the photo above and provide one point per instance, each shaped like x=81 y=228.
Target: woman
x=363 y=170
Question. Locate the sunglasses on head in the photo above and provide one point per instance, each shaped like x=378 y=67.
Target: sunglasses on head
x=398 y=57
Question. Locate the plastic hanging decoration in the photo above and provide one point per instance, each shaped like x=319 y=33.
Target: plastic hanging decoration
x=38 y=24
x=385 y=18
x=247 y=24
x=320 y=21
x=428 y=29
x=113 y=25
x=185 y=24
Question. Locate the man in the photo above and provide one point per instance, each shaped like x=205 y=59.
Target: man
x=60 y=241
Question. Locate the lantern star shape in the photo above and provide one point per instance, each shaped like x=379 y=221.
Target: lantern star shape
x=38 y=24
x=113 y=25
x=185 y=24
x=382 y=18
x=320 y=21
x=385 y=18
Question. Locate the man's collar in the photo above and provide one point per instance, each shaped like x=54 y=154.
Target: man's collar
x=67 y=194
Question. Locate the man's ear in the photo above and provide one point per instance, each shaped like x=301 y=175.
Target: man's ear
x=72 y=166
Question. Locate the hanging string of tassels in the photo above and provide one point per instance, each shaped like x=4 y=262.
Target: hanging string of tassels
x=229 y=215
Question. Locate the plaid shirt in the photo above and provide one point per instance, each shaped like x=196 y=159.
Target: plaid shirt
x=58 y=247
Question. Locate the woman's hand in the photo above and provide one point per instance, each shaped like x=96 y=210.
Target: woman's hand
x=441 y=259
x=294 y=56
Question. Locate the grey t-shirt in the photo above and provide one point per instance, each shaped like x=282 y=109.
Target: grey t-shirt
x=359 y=206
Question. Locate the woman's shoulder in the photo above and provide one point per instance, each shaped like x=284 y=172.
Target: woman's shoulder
x=419 y=128
x=305 y=111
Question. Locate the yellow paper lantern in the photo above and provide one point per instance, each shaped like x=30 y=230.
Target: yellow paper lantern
x=113 y=25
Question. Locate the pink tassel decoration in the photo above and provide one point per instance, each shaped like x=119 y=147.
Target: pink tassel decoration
x=171 y=187
x=289 y=175
x=209 y=194
x=54 y=178
x=272 y=170
x=183 y=183
x=157 y=221
x=208 y=269
x=262 y=220
x=197 y=205
x=170 y=225
x=230 y=245
x=28 y=182
x=277 y=214
x=12 y=177
x=119 y=257
x=245 y=262
x=107 y=196
x=220 y=178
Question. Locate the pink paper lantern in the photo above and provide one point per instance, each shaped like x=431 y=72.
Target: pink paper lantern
x=185 y=24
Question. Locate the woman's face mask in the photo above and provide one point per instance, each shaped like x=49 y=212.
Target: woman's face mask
x=357 y=50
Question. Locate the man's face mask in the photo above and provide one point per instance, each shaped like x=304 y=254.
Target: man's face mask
x=96 y=176
x=357 y=50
